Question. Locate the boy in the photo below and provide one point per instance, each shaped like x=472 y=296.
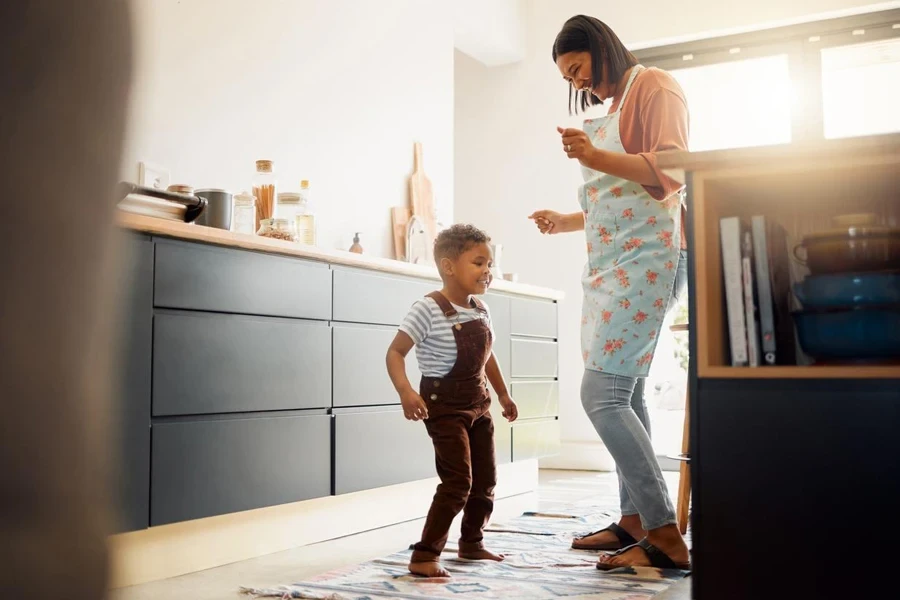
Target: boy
x=452 y=334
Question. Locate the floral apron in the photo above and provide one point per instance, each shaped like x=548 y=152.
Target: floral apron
x=633 y=244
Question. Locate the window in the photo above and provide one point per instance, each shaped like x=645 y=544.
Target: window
x=860 y=84
x=738 y=104
x=828 y=79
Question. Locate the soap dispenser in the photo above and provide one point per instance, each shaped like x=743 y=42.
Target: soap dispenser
x=356 y=248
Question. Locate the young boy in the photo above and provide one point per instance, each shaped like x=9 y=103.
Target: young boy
x=452 y=334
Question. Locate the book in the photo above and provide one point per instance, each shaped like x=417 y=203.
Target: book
x=753 y=342
x=730 y=234
x=764 y=294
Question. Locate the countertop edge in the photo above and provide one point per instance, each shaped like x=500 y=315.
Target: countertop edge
x=219 y=237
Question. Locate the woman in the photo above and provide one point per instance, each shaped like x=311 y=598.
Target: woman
x=632 y=216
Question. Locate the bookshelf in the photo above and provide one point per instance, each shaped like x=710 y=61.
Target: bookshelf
x=787 y=453
x=799 y=187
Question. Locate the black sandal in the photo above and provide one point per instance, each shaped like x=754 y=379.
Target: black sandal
x=625 y=539
x=658 y=558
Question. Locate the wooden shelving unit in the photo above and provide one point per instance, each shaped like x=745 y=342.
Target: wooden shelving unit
x=801 y=188
x=784 y=452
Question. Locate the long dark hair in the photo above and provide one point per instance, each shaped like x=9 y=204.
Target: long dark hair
x=587 y=34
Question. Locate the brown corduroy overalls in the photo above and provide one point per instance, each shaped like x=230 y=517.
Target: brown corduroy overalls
x=462 y=431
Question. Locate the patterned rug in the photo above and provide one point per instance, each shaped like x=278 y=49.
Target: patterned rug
x=539 y=565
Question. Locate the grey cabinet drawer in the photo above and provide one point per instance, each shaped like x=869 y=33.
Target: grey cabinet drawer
x=533 y=317
x=535 y=439
x=199 y=277
x=210 y=363
x=502 y=433
x=536 y=399
x=379 y=299
x=360 y=376
x=533 y=358
x=206 y=468
x=376 y=448
x=499 y=307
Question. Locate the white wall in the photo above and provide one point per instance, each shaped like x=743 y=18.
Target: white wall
x=493 y=33
x=508 y=160
x=335 y=92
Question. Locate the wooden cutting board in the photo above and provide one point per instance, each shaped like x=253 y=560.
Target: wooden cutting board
x=400 y=222
x=421 y=196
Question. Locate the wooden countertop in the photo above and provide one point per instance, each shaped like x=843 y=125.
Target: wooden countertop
x=220 y=237
x=856 y=148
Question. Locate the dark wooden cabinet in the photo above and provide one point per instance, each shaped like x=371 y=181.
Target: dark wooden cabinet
x=132 y=409
x=795 y=455
x=207 y=363
x=378 y=447
x=199 y=277
x=215 y=466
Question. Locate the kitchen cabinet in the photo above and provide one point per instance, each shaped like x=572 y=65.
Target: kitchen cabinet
x=535 y=318
x=214 y=466
x=535 y=439
x=534 y=358
x=361 y=297
x=207 y=363
x=209 y=278
x=378 y=447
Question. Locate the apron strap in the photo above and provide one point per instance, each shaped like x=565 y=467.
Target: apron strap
x=634 y=71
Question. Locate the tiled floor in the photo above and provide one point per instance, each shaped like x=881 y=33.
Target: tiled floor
x=557 y=489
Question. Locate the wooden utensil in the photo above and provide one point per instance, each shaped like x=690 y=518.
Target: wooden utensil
x=421 y=195
x=400 y=221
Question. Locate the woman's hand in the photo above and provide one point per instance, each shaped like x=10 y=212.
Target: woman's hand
x=576 y=144
x=549 y=221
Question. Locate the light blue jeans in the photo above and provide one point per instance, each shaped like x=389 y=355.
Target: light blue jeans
x=615 y=405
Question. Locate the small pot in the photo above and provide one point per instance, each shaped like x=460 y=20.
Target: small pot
x=218 y=213
x=858 y=333
x=852 y=250
x=849 y=289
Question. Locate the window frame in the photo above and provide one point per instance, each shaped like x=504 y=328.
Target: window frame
x=795 y=41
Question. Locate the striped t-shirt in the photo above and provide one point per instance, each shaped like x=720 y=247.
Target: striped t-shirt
x=432 y=333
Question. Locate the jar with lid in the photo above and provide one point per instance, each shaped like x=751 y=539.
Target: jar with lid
x=264 y=184
x=278 y=229
x=294 y=206
x=306 y=221
x=243 y=213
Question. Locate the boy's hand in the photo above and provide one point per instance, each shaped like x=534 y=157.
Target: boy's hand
x=414 y=408
x=510 y=410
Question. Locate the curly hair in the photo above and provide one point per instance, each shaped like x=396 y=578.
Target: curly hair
x=452 y=242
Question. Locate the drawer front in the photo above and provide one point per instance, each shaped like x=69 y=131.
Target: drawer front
x=533 y=317
x=536 y=399
x=198 y=277
x=378 y=448
x=360 y=376
x=535 y=440
x=502 y=433
x=499 y=307
x=377 y=299
x=209 y=363
x=207 y=468
x=532 y=358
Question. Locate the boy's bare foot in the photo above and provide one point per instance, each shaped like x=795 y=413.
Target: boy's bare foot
x=428 y=569
x=480 y=554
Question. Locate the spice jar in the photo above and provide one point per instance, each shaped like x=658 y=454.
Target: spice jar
x=243 y=213
x=294 y=206
x=264 y=183
x=278 y=229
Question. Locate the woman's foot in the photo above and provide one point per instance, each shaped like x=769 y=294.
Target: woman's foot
x=428 y=569
x=480 y=554
x=667 y=539
x=609 y=540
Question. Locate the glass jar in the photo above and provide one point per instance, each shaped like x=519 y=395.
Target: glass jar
x=243 y=213
x=264 y=184
x=278 y=229
x=306 y=221
x=293 y=206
